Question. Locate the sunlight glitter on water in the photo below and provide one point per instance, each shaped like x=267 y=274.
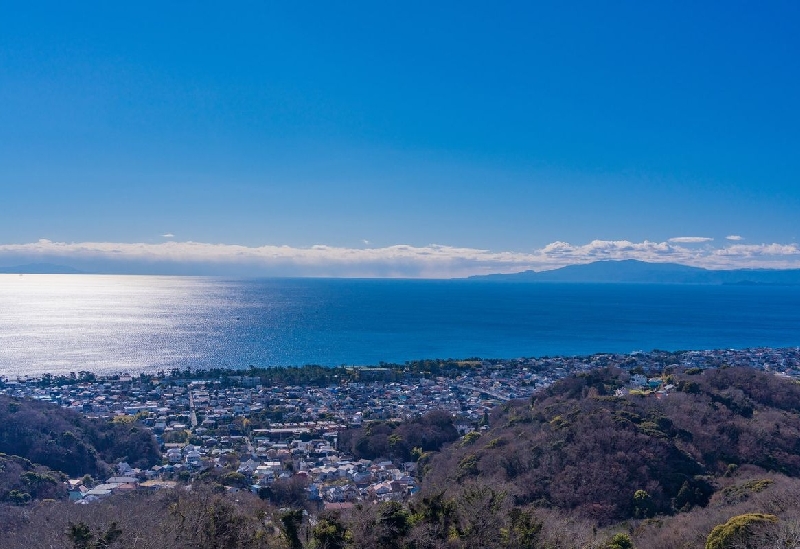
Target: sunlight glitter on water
x=72 y=322
x=103 y=324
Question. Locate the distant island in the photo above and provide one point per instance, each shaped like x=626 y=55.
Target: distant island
x=631 y=271
x=39 y=268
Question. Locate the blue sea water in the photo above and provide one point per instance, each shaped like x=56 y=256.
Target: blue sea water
x=62 y=323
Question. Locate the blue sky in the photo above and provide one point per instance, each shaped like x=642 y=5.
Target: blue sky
x=463 y=129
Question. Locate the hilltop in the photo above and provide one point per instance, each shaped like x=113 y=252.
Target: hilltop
x=588 y=445
x=640 y=272
x=43 y=442
x=658 y=451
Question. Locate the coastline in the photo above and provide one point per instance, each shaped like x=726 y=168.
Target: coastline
x=779 y=360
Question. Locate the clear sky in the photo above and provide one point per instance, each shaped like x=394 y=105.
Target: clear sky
x=399 y=138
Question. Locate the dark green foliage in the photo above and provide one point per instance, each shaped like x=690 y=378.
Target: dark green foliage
x=329 y=533
x=468 y=466
x=22 y=481
x=691 y=387
x=18 y=497
x=643 y=505
x=290 y=525
x=436 y=515
x=694 y=492
x=82 y=537
x=392 y=525
x=312 y=375
x=523 y=531
x=67 y=441
x=234 y=479
x=383 y=439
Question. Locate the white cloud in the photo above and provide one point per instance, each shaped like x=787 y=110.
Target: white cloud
x=435 y=261
x=735 y=237
x=758 y=250
x=168 y=235
x=690 y=239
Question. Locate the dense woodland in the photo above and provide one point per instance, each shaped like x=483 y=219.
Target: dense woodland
x=66 y=441
x=714 y=464
x=22 y=481
x=400 y=441
x=755 y=512
x=578 y=447
x=307 y=376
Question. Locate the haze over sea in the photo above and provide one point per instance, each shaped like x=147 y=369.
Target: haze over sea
x=63 y=323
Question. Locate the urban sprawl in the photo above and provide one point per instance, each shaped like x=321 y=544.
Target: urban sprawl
x=272 y=433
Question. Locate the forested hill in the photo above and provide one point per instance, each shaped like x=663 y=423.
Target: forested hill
x=578 y=446
x=67 y=441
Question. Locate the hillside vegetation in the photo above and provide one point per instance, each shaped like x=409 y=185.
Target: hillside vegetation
x=400 y=441
x=22 y=481
x=579 y=447
x=714 y=463
x=64 y=441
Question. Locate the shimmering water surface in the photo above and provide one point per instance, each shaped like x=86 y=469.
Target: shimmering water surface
x=62 y=323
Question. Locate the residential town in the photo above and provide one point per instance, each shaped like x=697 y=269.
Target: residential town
x=261 y=437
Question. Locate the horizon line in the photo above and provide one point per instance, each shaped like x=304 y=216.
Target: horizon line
x=434 y=261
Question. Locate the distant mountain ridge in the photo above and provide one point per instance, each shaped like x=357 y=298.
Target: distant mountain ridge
x=39 y=268
x=631 y=271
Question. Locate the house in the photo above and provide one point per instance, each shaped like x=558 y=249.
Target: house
x=122 y=480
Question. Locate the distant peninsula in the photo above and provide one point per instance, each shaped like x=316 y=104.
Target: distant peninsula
x=39 y=268
x=631 y=271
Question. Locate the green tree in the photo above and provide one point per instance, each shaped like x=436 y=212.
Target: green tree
x=620 y=541
x=523 y=530
x=738 y=531
x=18 y=497
x=393 y=524
x=436 y=515
x=643 y=506
x=234 y=478
x=329 y=533
x=290 y=525
x=80 y=535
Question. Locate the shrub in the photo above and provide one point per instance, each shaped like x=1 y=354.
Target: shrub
x=737 y=531
x=620 y=541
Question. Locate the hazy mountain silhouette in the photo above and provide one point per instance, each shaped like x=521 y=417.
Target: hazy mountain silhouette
x=634 y=271
x=40 y=268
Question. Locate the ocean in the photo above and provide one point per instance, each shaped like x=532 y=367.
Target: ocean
x=104 y=324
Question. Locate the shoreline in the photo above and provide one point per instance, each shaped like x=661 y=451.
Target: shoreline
x=784 y=359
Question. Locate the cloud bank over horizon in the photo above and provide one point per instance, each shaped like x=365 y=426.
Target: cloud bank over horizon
x=432 y=261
